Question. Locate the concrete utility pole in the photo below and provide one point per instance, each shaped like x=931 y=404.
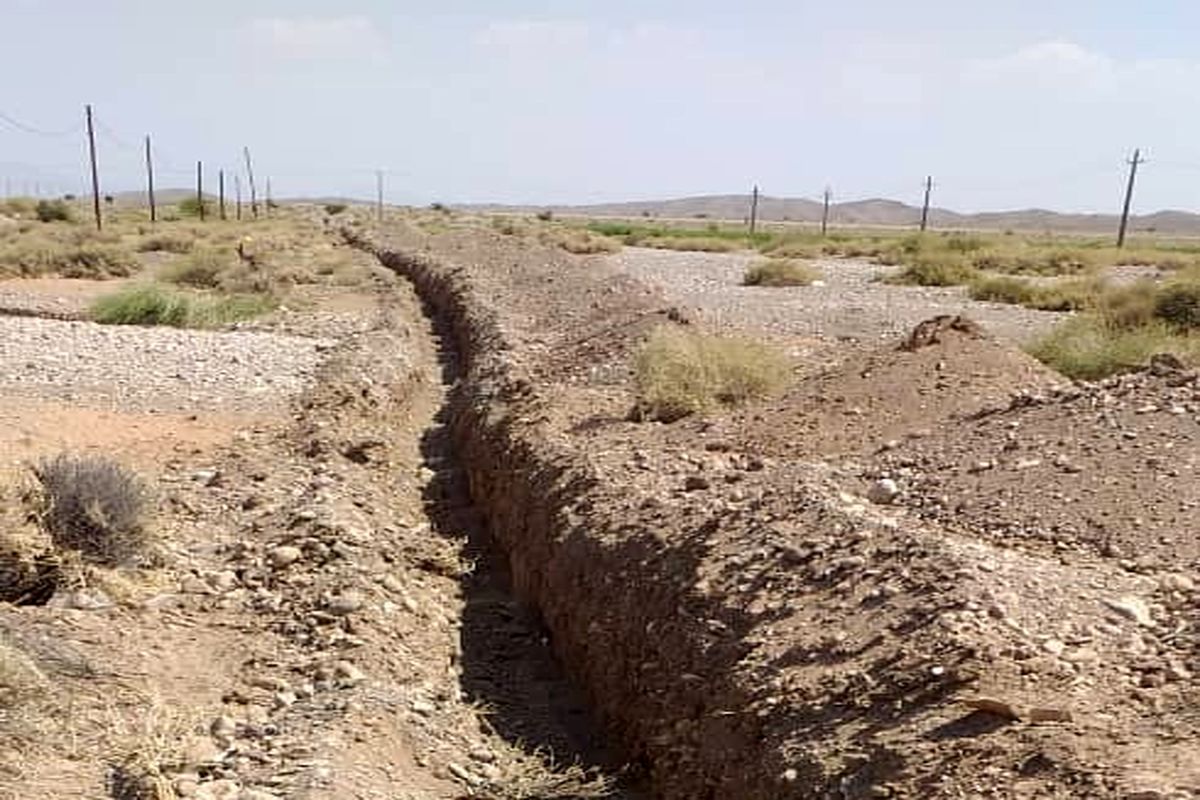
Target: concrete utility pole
x=925 y=207
x=200 y=188
x=150 y=183
x=1133 y=165
x=825 y=211
x=379 y=195
x=253 y=189
x=754 y=210
x=91 y=133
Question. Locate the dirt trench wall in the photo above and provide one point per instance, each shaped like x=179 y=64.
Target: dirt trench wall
x=620 y=607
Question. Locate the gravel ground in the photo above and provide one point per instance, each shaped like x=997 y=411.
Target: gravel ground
x=849 y=304
x=153 y=369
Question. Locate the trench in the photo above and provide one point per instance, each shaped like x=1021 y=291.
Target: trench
x=508 y=661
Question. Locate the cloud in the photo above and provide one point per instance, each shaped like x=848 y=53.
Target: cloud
x=534 y=35
x=313 y=38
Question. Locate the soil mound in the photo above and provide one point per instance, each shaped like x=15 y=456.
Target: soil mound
x=947 y=369
x=1111 y=467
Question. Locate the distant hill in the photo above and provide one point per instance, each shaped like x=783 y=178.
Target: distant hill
x=874 y=211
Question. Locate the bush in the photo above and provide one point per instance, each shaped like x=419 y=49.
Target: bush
x=85 y=261
x=53 y=211
x=934 y=270
x=190 y=207
x=149 y=304
x=699 y=244
x=1178 y=304
x=581 y=242
x=201 y=269
x=1003 y=289
x=680 y=372
x=167 y=243
x=92 y=505
x=1087 y=348
x=780 y=272
x=333 y=209
x=545 y=216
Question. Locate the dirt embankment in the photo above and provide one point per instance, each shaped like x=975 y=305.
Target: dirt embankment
x=744 y=627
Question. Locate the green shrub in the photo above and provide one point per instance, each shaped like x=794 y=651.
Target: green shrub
x=934 y=270
x=780 y=272
x=201 y=269
x=150 y=304
x=53 y=211
x=190 y=207
x=680 y=372
x=92 y=505
x=1087 y=348
x=1178 y=304
x=1003 y=289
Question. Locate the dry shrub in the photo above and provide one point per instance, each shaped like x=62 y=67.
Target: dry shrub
x=82 y=261
x=201 y=268
x=681 y=372
x=934 y=269
x=167 y=243
x=1178 y=304
x=582 y=242
x=780 y=272
x=92 y=505
x=1088 y=348
x=699 y=244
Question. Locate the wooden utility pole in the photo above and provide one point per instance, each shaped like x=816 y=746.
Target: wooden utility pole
x=150 y=183
x=754 y=210
x=253 y=190
x=825 y=211
x=91 y=133
x=221 y=192
x=379 y=195
x=925 y=206
x=200 y=188
x=237 y=190
x=1133 y=165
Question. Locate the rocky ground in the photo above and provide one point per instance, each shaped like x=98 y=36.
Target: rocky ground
x=411 y=545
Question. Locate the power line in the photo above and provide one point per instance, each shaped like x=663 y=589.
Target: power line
x=25 y=128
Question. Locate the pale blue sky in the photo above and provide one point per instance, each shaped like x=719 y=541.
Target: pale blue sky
x=1008 y=104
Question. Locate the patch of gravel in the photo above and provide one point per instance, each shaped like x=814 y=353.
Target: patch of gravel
x=850 y=304
x=154 y=369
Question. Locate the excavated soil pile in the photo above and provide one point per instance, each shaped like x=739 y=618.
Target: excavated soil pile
x=1112 y=468
x=947 y=369
x=750 y=628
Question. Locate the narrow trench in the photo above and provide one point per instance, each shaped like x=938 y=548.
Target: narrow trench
x=508 y=665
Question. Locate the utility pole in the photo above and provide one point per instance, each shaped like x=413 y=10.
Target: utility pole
x=379 y=195
x=754 y=210
x=91 y=132
x=925 y=207
x=150 y=183
x=1133 y=165
x=825 y=211
x=268 y=205
x=253 y=191
x=200 y=188
x=221 y=192
x=237 y=189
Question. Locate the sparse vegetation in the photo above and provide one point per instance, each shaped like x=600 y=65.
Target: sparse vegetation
x=151 y=304
x=36 y=258
x=333 y=209
x=53 y=211
x=201 y=268
x=934 y=270
x=1089 y=347
x=582 y=242
x=190 y=207
x=780 y=272
x=681 y=372
x=177 y=243
x=94 y=506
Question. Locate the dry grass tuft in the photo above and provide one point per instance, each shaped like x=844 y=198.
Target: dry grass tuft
x=681 y=372
x=94 y=506
x=582 y=242
x=780 y=272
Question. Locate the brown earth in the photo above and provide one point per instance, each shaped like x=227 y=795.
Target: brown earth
x=366 y=570
x=746 y=624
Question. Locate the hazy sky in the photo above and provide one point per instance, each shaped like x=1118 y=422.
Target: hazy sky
x=1008 y=104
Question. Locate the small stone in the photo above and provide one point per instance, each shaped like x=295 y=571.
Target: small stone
x=482 y=755
x=187 y=785
x=883 y=492
x=695 y=483
x=1132 y=608
x=392 y=583
x=422 y=707
x=284 y=555
x=223 y=727
x=463 y=774
x=790 y=775
x=1048 y=715
x=343 y=604
x=348 y=674
x=223 y=581
x=224 y=789
x=206 y=477
x=268 y=682
x=1176 y=582
x=991 y=705
x=284 y=699
x=195 y=585
x=1054 y=647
